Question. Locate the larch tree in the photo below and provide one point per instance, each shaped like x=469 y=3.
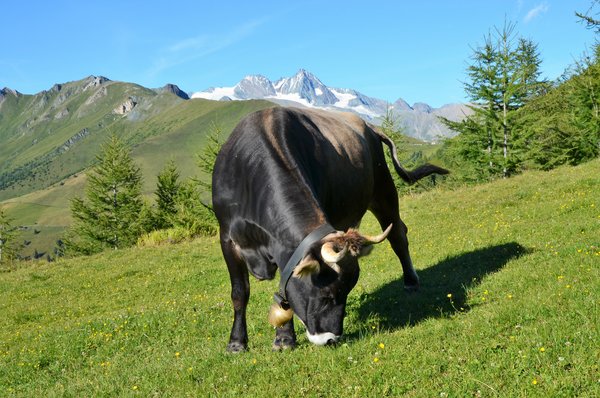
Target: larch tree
x=502 y=77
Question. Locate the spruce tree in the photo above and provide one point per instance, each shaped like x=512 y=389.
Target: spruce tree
x=167 y=192
x=110 y=216
x=8 y=237
x=584 y=98
x=503 y=77
x=206 y=161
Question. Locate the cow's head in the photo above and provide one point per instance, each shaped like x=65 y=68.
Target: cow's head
x=321 y=282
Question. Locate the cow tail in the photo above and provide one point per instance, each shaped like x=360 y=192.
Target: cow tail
x=409 y=176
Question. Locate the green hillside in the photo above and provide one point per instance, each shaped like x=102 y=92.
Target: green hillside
x=44 y=152
x=509 y=307
x=54 y=134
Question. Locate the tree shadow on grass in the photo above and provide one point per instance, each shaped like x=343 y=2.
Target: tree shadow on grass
x=390 y=307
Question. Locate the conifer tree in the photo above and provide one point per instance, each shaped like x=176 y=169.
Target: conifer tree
x=503 y=76
x=206 y=161
x=590 y=21
x=167 y=192
x=584 y=97
x=8 y=236
x=110 y=216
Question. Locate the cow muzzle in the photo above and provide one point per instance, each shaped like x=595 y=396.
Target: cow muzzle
x=323 y=338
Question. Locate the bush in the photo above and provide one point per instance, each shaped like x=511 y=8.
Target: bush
x=166 y=236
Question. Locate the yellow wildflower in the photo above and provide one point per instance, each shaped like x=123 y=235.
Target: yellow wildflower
x=381 y=345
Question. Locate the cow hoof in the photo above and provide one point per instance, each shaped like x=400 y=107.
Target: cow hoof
x=235 y=347
x=411 y=288
x=281 y=344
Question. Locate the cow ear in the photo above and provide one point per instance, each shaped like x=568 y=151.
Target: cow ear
x=309 y=265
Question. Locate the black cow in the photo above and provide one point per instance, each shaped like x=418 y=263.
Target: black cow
x=292 y=177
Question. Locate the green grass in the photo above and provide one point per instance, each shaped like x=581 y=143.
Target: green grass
x=519 y=258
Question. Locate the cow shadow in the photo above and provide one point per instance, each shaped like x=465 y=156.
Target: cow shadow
x=390 y=307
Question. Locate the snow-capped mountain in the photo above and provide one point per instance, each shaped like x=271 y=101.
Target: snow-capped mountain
x=305 y=89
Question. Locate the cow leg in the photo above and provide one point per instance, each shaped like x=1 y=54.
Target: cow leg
x=386 y=210
x=285 y=337
x=240 y=294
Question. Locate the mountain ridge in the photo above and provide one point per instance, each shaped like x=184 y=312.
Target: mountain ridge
x=305 y=89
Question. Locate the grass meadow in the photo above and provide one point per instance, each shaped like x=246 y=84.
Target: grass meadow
x=509 y=307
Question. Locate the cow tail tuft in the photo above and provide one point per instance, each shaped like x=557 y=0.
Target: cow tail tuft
x=409 y=176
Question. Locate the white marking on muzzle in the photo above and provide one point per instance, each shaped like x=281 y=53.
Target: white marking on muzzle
x=322 y=338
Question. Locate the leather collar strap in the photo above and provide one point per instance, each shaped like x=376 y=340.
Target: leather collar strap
x=310 y=239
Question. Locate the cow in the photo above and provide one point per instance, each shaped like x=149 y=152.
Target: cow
x=290 y=186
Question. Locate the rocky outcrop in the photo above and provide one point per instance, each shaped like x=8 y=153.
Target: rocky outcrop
x=9 y=91
x=97 y=95
x=95 y=81
x=126 y=106
x=71 y=141
x=61 y=114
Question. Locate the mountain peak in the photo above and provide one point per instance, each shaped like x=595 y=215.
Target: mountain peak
x=422 y=107
x=97 y=79
x=305 y=89
x=304 y=72
x=94 y=81
x=174 y=89
x=402 y=105
x=308 y=87
x=6 y=91
x=254 y=86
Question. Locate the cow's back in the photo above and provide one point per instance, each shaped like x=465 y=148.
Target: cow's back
x=323 y=159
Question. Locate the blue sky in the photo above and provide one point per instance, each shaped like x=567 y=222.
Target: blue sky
x=416 y=50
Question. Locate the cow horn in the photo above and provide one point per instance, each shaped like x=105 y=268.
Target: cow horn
x=371 y=240
x=330 y=256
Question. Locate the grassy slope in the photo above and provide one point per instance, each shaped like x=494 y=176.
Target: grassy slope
x=185 y=134
x=520 y=259
x=181 y=129
x=34 y=127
